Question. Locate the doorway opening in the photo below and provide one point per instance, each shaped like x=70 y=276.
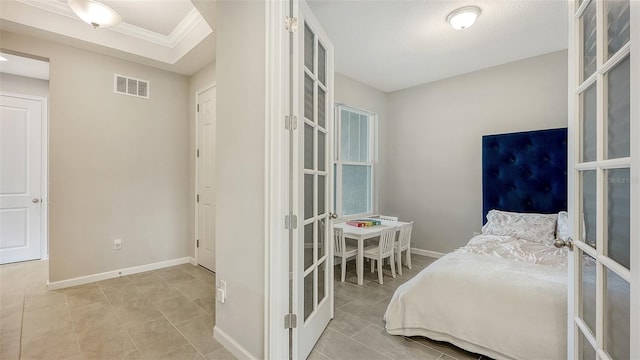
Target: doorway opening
x=24 y=93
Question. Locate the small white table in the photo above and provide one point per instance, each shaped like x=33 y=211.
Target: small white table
x=361 y=234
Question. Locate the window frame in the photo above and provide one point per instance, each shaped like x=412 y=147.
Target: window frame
x=338 y=163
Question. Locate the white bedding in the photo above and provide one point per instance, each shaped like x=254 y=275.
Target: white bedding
x=498 y=296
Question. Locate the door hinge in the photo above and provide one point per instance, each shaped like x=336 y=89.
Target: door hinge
x=198 y=108
x=290 y=122
x=291 y=24
x=197 y=152
x=197 y=243
x=290 y=222
x=198 y=198
x=290 y=321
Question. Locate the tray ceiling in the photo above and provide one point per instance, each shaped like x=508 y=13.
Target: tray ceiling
x=163 y=31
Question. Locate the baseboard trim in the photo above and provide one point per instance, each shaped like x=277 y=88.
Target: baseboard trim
x=236 y=349
x=55 y=285
x=429 y=253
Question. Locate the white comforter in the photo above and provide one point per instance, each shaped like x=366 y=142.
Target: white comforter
x=498 y=296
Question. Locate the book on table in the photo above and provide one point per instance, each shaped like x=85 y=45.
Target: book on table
x=364 y=222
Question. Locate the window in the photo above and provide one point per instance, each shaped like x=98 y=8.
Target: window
x=354 y=165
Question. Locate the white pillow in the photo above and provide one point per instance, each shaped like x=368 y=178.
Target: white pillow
x=540 y=228
x=562 y=231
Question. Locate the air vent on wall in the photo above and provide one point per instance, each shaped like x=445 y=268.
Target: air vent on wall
x=130 y=86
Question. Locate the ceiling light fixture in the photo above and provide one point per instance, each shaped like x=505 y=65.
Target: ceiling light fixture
x=463 y=18
x=95 y=13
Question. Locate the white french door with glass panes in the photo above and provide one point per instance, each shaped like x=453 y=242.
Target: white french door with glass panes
x=354 y=162
x=312 y=188
x=604 y=322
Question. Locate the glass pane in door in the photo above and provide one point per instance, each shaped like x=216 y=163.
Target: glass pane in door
x=322 y=272
x=308 y=97
x=322 y=104
x=321 y=239
x=618 y=215
x=321 y=194
x=588 y=24
x=322 y=64
x=586 y=350
x=308 y=245
x=588 y=186
x=616 y=316
x=322 y=166
x=589 y=127
x=618 y=25
x=588 y=291
x=308 y=147
x=308 y=196
x=308 y=47
x=619 y=110
x=308 y=294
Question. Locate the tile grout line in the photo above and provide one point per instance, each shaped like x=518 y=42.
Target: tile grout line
x=24 y=300
x=161 y=313
x=178 y=330
x=442 y=354
x=404 y=337
x=120 y=322
x=367 y=346
x=126 y=330
x=75 y=335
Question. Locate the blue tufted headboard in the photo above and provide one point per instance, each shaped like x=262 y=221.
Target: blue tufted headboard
x=525 y=172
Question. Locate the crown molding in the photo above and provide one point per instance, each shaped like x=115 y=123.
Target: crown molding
x=179 y=33
x=186 y=26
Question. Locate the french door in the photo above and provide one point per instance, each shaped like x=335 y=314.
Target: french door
x=604 y=104
x=312 y=184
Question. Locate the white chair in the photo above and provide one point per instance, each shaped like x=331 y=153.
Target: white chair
x=383 y=250
x=343 y=250
x=404 y=244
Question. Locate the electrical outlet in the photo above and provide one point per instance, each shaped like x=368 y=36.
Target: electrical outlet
x=117 y=244
x=222 y=291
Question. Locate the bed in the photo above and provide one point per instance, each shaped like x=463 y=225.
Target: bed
x=503 y=294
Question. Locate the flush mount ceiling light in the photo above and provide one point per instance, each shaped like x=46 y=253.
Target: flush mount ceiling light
x=463 y=18
x=95 y=13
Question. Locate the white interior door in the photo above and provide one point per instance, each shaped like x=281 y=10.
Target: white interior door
x=206 y=165
x=604 y=319
x=20 y=178
x=313 y=178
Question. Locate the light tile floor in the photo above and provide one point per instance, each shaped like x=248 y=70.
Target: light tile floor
x=357 y=330
x=169 y=314
x=162 y=314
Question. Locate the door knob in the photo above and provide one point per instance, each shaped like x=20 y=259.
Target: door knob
x=559 y=243
x=35 y=200
x=333 y=215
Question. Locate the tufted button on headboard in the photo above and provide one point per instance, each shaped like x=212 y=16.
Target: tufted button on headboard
x=525 y=172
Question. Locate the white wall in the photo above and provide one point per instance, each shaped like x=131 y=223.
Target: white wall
x=197 y=82
x=240 y=173
x=353 y=93
x=119 y=165
x=434 y=142
x=24 y=85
